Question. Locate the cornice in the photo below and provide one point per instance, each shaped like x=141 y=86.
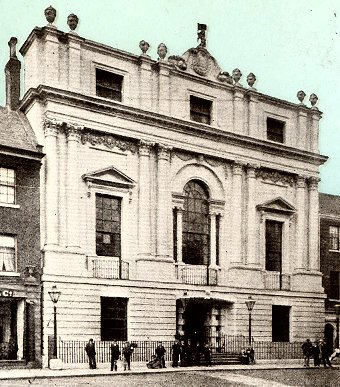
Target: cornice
x=47 y=93
x=21 y=153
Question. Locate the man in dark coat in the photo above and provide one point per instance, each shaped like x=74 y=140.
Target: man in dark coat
x=115 y=353
x=176 y=352
x=307 y=352
x=91 y=353
x=160 y=353
x=326 y=352
x=127 y=352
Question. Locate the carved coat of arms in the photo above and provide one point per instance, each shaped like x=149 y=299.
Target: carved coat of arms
x=201 y=61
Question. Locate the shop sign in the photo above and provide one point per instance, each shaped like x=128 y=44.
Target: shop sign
x=6 y=293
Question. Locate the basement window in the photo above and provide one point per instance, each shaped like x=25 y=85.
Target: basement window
x=200 y=110
x=109 y=85
x=275 y=130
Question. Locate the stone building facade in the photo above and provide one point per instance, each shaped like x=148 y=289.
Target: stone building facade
x=329 y=260
x=20 y=258
x=170 y=194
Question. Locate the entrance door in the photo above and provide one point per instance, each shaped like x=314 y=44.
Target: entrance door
x=195 y=317
x=8 y=330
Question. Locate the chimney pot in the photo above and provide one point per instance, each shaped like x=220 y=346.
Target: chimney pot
x=12 y=70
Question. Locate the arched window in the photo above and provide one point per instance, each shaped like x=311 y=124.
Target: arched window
x=196 y=224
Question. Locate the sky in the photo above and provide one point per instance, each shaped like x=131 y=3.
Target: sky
x=289 y=45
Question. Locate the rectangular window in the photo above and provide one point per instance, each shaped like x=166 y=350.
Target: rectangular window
x=334 y=285
x=113 y=318
x=273 y=245
x=7 y=185
x=200 y=110
x=108 y=226
x=7 y=253
x=275 y=130
x=280 y=323
x=109 y=85
x=334 y=238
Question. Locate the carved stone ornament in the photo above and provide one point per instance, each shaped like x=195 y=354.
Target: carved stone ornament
x=313 y=183
x=144 y=46
x=178 y=62
x=275 y=177
x=201 y=28
x=12 y=47
x=251 y=79
x=224 y=76
x=72 y=21
x=301 y=96
x=163 y=152
x=73 y=132
x=185 y=156
x=145 y=147
x=313 y=99
x=108 y=141
x=201 y=61
x=162 y=50
x=51 y=126
x=50 y=14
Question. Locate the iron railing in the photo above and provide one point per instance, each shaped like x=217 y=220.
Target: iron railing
x=275 y=280
x=197 y=275
x=113 y=268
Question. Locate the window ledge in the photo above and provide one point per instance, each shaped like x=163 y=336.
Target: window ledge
x=9 y=274
x=334 y=251
x=9 y=205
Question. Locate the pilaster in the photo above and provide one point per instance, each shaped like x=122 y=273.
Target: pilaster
x=301 y=248
x=314 y=130
x=238 y=110
x=164 y=87
x=313 y=226
x=253 y=122
x=51 y=51
x=145 y=83
x=252 y=257
x=237 y=213
x=74 y=67
x=302 y=128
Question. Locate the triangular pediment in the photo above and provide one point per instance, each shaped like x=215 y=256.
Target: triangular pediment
x=277 y=205
x=110 y=176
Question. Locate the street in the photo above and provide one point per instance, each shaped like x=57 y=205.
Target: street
x=261 y=378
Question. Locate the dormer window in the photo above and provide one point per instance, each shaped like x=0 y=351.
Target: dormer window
x=200 y=110
x=275 y=130
x=109 y=85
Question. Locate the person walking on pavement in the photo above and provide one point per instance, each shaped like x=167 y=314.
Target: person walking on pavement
x=307 y=352
x=207 y=354
x=326 y=351
x=160 y=353
x=115 y=353
x=176 y=353
x=91 y=353
x=127 y=352
x=316 y=354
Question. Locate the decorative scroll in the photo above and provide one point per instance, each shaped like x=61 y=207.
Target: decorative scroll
x=108 y=141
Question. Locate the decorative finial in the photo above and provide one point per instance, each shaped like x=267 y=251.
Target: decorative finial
x=72 y=21
x=12 y=47
x=313 y=99
x=162 y=51
x=237 y=76
x=301 y=96
x=50 y=14
x=251 y=78
x=144 y=46
x=201 y=28
x=224 y=76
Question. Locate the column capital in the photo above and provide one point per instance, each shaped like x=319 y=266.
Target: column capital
x=51 y=127
x=301 y=181
x=163 y=152
x=145 y=147
x=73 y=132
x=313 y=183
x=251 y=169
x=238 y=168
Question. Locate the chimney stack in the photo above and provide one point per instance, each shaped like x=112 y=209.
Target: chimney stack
x=12 y=70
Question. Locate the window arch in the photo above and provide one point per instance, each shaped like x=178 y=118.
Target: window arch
x=196 y=224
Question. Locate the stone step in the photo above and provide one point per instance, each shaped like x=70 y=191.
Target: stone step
x=12 y=364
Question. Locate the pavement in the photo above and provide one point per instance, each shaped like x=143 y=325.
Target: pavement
x=73 y=370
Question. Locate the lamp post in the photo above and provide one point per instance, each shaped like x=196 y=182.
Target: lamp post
x=250 y=305
x=55 y=294
x=337 y=310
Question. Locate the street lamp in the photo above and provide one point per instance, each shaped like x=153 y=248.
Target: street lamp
x=337 y=310
x=55 y=294
x=250 y=305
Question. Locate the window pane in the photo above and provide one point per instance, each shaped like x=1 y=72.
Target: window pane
x=273 y=246
x=334 y=237
x=109 y=85
x=275 y=130
x=200 y=110
x=7 y=185
x=113 y=318
x=7 y=253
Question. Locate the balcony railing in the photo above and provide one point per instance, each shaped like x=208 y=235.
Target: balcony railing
x=197 y=275
x=112 y=268
x=276 y=281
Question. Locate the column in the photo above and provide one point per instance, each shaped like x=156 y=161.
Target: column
x=144 y=229
x=163 y=156
x=302 y=128
x=237 y=213
x=252 y=257
x=145 y=83
x=313 y=214
x=62 y=200
x=164 y=88
x=51 y=56
x=51 y=190
x=72 y=190
x=74 y=67
x=213 y=240
x=238 y=111
x=179 y=214
x=314 y=135
x=301 y=239
x=253 y=129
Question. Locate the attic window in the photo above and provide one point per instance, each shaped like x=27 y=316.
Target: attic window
x=275 y=130
x=200 y=110
x=109 y=85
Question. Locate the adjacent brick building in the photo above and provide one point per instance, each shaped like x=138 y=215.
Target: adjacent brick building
x=20 y=258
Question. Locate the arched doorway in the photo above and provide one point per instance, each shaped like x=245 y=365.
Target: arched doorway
x=329 y=333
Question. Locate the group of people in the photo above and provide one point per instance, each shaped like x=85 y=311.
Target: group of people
x=321 y=351
x=116 y=354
